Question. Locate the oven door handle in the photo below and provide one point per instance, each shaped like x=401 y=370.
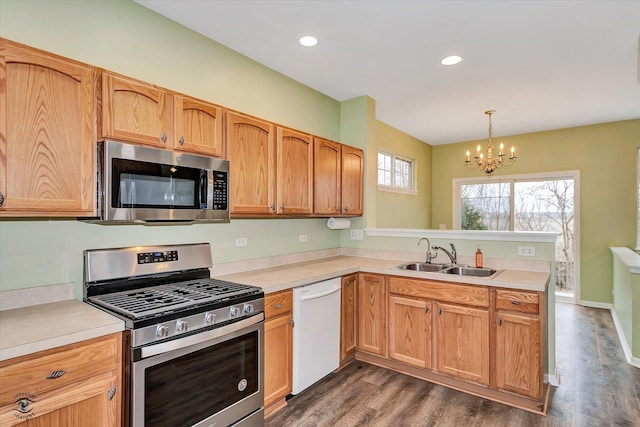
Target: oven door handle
x=190 y=340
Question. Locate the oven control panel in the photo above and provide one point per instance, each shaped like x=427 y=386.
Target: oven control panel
x=152 y=257
x=207 y=319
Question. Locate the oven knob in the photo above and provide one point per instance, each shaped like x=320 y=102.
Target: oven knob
x=162 y=331
x=234 y=312
x=247 y=309
x=181 y=326
x=209 y=318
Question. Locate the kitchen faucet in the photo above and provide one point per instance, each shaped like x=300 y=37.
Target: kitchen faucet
x=429 y=254
x=452 y=255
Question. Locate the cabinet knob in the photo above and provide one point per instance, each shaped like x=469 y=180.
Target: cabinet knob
x=181 y=140
x=426 y=310
x=273 y=207
x=164 y=137
x=112 y=392
x=439 y=311
x=1 y=199
x=346 y=209
x=282 y=207
x=56 y=374
x=292 y=323
x=499 y=321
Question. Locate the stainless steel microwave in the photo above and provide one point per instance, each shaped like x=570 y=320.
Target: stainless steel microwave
x=142 y=184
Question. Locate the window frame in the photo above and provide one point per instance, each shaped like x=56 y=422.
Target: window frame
x=393 y=188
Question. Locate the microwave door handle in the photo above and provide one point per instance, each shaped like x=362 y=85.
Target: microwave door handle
x=206 y=178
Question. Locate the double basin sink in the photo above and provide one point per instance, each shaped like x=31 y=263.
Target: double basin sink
x=459 y=270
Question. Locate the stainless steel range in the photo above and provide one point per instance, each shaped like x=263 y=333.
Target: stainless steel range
x=195 y=352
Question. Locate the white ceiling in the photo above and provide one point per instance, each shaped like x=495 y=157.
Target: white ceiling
x=540 y=64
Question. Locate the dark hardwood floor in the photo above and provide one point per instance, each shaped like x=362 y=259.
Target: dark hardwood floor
x=597 y=388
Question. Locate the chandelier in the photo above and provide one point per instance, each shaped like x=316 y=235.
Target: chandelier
x=488 y=163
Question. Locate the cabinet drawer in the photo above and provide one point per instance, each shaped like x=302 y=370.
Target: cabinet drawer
x=41 y=372
x=525 y=302
x=278 y=303
x=441 y=291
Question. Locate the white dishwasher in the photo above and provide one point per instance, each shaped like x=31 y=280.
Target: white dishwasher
x=316 y=332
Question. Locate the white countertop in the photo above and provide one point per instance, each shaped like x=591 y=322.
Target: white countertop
x=303 y=273
x=44 y=326
x=630 y=258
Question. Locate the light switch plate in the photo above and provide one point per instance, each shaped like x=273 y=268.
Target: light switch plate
x=356 y=234
x=241 y=241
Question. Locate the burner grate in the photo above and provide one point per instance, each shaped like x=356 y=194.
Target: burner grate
x=160 y=299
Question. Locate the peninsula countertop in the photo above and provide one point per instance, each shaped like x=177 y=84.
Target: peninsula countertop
x=289 y=276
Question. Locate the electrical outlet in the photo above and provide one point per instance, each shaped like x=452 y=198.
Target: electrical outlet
x=302 y=238
x=241 y=241
x=356 y=234
x=526 y=251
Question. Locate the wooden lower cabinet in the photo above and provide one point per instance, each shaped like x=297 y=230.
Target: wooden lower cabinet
x=410 y=331
x=278 y=349
x=463 y=342
x=348 y=316
x=372 y=314
x=78 y=385
x=518 y=358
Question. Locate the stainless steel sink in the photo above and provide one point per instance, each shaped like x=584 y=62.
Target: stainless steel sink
x=422 y=266
x=470 y=271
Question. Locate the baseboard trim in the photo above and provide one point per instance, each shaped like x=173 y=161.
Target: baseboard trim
x=554 y=379
x=626 y=349
x=597 y=304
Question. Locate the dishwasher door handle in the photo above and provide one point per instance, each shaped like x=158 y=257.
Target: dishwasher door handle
x=319 y=295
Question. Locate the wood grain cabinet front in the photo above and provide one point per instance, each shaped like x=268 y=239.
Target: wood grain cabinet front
x=72 y=386
x=197 y=126
x=47 y=133
x=338 y=177
x=372 y=314
x=410 y=330
x=278 y=350
x=348 y=316
x=294 y=192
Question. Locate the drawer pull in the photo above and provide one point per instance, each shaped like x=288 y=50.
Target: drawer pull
x=56 y=374
x=515 y=302
x=278 y=306
x=112 y=392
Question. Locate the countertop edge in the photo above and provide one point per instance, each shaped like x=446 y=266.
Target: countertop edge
x=630 y=258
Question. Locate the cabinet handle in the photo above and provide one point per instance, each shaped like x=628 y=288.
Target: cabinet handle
x=439 y=311
x=515 y=302
x=282 y=207
x=278 y=305
x=164 y=137
x=273 y=207
x=499 y=321
x=426 y=310
x=181 y=140
x=1 y=199
x=346 y=209
x=56 y=374
x=292 y=323
x=112 y=392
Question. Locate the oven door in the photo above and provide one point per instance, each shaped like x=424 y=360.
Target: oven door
x=213 y=378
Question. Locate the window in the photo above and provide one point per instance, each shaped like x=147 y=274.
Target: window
x=396 y=173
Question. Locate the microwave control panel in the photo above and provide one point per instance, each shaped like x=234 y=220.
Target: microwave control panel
x=220 y=180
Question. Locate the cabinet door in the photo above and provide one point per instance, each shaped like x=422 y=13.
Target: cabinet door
x=251 y=153
x=410 y=331
x=278 y=347
x=47 y=134
x=295 y=172
x=197 y=126
x=89 y=403
x=352 y=173
x=134 y=111
x=348 y=317
x=518 y=354
x=327 y=176
x=372 y=314
x=463 y=342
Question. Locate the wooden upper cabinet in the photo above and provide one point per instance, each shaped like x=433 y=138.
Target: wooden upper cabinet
x=197 y=126
x=251 y=151
x=47 y=133
x=352 y=175
x=463 y=342
x=134 y=111
x=328 y=169
x=295 y=172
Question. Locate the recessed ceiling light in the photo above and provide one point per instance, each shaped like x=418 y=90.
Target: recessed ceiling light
x=308 y=41
x=451 y=60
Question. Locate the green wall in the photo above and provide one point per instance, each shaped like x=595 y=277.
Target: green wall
x=606 y=156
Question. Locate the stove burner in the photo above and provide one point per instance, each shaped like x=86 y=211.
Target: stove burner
x=160 y=299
